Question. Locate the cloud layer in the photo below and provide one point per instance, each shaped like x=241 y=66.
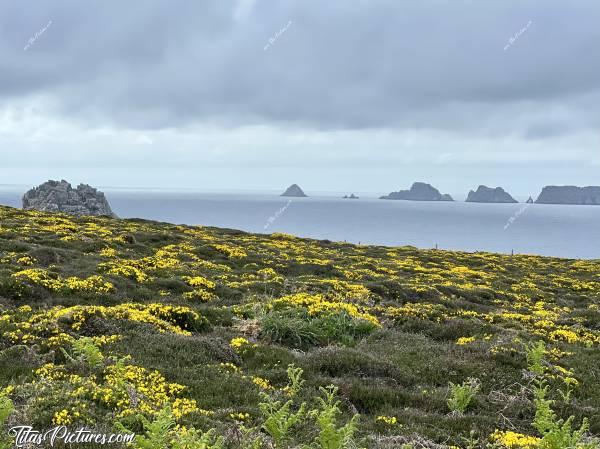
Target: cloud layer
x=432 y=76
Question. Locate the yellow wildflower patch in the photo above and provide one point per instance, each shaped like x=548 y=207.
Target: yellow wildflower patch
x=514 y=440
x=318 y=305
x=94 y=284
x=465 y=340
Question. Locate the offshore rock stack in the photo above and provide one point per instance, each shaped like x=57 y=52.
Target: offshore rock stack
x=569 y=195
x=295 y=191
x=419 y=191
x=55 y=196
x=486 y=194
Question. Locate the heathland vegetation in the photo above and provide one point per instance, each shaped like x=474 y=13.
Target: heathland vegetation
x=198 y=337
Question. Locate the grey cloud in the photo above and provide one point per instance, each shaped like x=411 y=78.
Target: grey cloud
x=361 y=64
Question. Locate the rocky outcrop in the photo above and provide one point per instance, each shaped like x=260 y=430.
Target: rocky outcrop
x=569 y=195
x=529 y=200
x=351 y=197
x=419 y=191
x=55 y=196
x=486 y=194
x=294 y=190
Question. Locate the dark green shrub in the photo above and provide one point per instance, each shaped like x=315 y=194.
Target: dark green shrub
x=17 y=291
x=46 y=256
x=296 y=328
x=289 y=329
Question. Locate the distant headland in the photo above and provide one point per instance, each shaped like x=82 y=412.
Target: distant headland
x=569 y=195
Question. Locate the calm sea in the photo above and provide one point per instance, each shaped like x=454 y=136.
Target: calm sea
x=553 y=230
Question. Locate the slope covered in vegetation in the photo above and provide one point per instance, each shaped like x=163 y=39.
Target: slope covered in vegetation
x=106 y=321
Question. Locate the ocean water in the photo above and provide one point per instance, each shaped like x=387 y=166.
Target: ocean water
x=552 y=230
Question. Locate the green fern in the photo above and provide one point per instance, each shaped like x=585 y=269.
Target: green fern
x=461 y=395
x=85 y=351
x=556 y=433
x=279 y=419
x=251 y=438
x=295 y=380
x=6 y=409
x=158 y=432
x=162 y=434
x=194 y=439
x=330 y=435
x=535 y=357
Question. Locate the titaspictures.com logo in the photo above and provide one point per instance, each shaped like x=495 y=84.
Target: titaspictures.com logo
x=26 y=436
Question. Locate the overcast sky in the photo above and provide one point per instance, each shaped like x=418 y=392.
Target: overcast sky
x=338 y=95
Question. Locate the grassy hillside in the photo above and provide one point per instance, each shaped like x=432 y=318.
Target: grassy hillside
x=105 y=320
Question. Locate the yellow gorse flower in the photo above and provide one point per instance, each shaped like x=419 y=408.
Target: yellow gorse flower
x=318 y=305
x=514 y=440
x=199 y=281
x=261 y=382
x=231 y=251
x=239 y=416
x=465 y=340
x=46 y=327
x=389 y=420
x=94 y=284
x=62 y=418
x=240 y=344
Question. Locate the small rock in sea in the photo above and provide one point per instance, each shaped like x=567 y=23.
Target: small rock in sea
x=294 y=190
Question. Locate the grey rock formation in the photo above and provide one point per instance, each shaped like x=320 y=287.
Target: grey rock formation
x=294 y=190
x=419 y=191
x=55 y=196
x=569 y=195
x=486 y=194
x=529 y=200
x=351 y=197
